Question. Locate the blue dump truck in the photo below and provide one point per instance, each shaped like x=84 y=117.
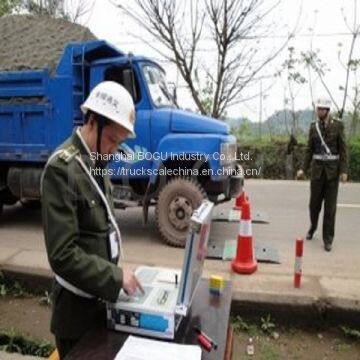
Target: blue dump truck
x=176 y=160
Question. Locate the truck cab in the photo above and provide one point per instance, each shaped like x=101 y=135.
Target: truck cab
x=177 y=159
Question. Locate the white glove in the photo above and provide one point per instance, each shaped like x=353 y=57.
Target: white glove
x=300 y=174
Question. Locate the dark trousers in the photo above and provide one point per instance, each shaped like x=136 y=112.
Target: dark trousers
x=324 y=190
x=64 y=346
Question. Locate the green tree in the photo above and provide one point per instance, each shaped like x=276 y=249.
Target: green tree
x=206 y=92
x=8 y=6
x=230 y=64
x=53 y=8
x=71 y=10
x=245 y=129
x=350 y=103
x=294 y=83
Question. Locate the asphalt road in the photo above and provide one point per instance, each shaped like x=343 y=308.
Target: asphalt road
x=285 y=203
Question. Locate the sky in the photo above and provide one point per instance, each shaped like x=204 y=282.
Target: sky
x=317 y=21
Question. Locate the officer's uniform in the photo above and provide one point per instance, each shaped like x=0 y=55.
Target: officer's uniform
x=327 y=158
x=78 y=230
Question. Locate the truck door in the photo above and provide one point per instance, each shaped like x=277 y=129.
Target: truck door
x=131 y=164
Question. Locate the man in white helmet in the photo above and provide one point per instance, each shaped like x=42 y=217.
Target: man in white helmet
x=326 y=153
x=82 y=237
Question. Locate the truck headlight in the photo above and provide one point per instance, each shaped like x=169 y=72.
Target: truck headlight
x=227 y=153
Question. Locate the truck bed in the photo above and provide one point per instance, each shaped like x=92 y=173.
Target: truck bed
x=38 y=109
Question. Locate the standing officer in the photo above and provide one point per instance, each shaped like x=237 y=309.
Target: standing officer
x=326 y=152
x=83 y=241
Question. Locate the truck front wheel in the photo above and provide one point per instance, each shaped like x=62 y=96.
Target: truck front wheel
x=176 y=203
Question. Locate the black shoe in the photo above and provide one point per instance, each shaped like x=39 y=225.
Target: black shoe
x=327 y=247
x=309 y=235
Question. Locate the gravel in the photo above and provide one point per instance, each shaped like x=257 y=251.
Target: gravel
x=30 y=42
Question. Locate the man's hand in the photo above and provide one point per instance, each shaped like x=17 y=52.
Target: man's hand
x=131 y=283
x=343 y=178
x=300 y=174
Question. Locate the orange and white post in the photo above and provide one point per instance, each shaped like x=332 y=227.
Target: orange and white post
x=299 y=250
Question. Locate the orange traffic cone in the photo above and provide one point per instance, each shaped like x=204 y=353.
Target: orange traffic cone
x=240 y=201
x=245 y=262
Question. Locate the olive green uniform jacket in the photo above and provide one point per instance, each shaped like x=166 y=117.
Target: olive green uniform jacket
x=335 y=139
x=76 y=230
x=324 y=174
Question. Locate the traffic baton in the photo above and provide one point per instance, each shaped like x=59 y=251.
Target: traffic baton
x=298 y=261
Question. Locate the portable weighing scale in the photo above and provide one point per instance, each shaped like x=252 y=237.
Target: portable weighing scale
x=168 y=292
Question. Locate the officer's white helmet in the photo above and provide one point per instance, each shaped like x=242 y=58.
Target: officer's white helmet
x=323 y=102
x=114 y=102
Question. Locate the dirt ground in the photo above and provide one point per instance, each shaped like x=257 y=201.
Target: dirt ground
x=295 y=344
x=27 y=316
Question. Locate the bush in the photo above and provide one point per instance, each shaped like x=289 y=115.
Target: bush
x=271 y=155
x=13 y=342
x=354 y=159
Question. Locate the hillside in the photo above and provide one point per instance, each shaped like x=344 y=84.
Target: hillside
x=277 y=124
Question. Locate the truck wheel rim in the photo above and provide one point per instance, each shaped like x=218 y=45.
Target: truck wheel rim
x=180 y=211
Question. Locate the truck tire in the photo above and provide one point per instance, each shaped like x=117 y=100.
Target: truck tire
x=7 y=197
x=1 y=208
x=30 y=204
x=176 y=202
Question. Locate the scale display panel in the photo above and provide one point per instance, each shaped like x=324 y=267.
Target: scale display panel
x=168 y=292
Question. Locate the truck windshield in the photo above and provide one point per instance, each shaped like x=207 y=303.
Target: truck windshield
x=158 y=88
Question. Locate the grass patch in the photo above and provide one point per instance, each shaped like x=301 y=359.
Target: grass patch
x=268 y=351
x=16 y=289
x=46 y=299
x=240 y=325
x=267 y=325
x=12 y=288
x=13 y=342
x=272 y=340
x=350 y=333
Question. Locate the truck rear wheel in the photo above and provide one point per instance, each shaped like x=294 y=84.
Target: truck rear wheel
x=7 y=197
x=30 y=203
x=176 y=203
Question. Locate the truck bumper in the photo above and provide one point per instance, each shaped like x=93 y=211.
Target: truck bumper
x=235 y=183
x=230 y=187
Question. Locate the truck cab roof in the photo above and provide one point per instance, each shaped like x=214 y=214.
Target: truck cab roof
x=124 y=59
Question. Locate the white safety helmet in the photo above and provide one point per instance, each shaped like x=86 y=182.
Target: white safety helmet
x=114 y=102
x=323 y=102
